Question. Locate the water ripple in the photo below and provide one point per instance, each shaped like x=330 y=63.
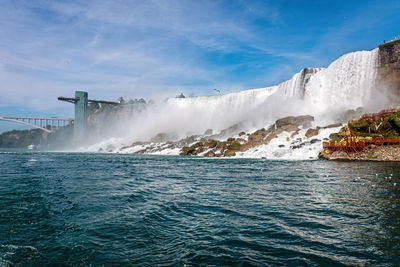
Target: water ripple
x=99 y=209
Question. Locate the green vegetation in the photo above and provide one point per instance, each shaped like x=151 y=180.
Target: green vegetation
x=234 y=146
x=211 y=143
x=394 y=115
x=361 y=124
x=387 y=126
x=367 y=134
x=92 y=108
x=20 y=138
x=389 y=43
x=370 y=156
x=60 y=139
x=186 y=150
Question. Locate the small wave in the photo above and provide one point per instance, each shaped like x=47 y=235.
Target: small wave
x=12 y=255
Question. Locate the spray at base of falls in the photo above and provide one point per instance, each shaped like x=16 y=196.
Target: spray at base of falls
x=348 y=83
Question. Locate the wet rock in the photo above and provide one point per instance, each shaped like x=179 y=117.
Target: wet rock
x=289 y=128
x=198 y=150
x=209 y=154
x=141 y=151
x=211 y=143
x=294 y=134
x=334 y=125
x=208 y=132
x=240 y=140
x=311 y=132
x=298 y=146
x=234 y=146
x=187 y=150
x=335 y=137
x=242 y=133
x=304 y=121
x=186 y=141
x=396 y=124
x=269 y=138
x=229 y=153
x=314 y=141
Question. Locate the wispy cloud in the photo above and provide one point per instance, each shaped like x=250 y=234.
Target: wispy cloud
x=151 y=48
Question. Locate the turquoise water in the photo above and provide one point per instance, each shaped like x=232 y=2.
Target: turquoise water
x=129 y=210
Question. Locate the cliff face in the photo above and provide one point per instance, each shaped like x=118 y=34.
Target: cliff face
x=389 y=66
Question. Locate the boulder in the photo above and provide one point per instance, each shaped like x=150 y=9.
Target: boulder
x=229 y=153
x=311 y=132
x=211 y=143
x=303 y=120
x=208 y=132
x=187 y=150
x=234 y=146
x=209 y=154
x=396 y=124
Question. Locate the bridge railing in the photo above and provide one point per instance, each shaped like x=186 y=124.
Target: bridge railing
x=40 y=122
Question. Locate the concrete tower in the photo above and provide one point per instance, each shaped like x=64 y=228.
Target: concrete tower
x=81 y=114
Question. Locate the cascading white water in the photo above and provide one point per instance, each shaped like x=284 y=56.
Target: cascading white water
x=347 y=83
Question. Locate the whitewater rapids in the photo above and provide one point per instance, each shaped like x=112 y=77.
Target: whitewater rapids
x=347 y=83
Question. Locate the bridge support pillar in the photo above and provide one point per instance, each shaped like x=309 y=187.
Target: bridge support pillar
x=81 y=114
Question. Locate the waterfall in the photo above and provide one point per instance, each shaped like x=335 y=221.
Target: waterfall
x=347 y=83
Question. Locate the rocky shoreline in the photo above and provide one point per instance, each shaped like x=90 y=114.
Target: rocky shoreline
x=386 y=153
x=364 y=139
x=288 y=135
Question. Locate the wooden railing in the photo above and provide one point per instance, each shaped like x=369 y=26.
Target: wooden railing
x=371 y=116
x=352 y=143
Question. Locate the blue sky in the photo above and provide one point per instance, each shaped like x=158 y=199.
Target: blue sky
x=159 y=48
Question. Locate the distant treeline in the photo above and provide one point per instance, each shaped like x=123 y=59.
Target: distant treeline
x=21 y=138
x=63 y=137
x=58 y=139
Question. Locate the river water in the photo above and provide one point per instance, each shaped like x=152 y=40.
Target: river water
x=80 y=209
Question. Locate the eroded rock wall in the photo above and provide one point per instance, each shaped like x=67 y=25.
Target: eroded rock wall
x=389 y=67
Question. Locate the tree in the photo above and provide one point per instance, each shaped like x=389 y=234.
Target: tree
x=121 y=100
x=93 y=107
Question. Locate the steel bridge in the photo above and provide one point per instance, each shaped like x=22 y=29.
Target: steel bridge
x=80 y=102
x=46 y=124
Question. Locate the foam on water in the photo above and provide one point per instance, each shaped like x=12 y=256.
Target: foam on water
x=282 y=146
